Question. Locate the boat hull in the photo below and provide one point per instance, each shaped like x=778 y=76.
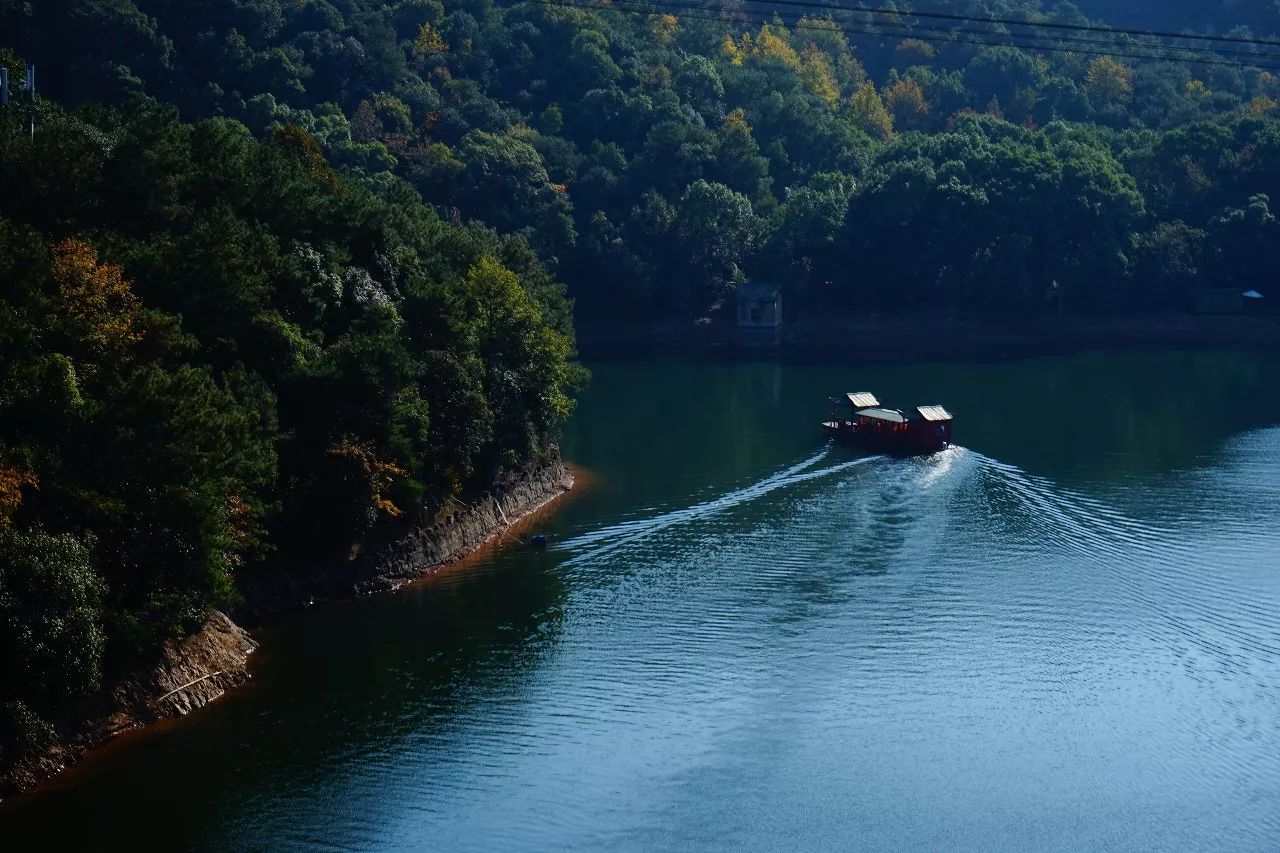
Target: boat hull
x=910 y=442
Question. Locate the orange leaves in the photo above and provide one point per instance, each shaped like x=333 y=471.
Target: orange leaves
x=379 y=475
x=12 y=481
x=307 y=149
x=239 y=518
x=99 y=306
x=1262 y=105
x=905 y=99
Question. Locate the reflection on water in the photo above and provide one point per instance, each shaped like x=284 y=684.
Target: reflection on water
x=1063 y=634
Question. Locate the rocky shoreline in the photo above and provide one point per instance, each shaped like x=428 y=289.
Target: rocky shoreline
x=419 y=551
x=194 y=672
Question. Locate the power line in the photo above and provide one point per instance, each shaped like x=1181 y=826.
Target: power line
x=1170 y=53
x=1016 y=22
x=987 y=39
x=1087 y=40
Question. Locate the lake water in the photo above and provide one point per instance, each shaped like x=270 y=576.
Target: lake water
x=1063 y=634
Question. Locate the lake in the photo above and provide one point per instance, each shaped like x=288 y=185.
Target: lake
x=1062 y=634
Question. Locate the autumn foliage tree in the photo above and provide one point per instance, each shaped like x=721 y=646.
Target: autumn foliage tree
x=1109 y=82
x=905 y=99
x=868 y=112
x=98 y=306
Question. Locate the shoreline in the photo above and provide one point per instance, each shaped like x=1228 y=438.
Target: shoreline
x=899 y=339
x=204 y=666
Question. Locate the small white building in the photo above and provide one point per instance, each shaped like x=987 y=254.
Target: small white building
x=759 y=314
x=759 y=306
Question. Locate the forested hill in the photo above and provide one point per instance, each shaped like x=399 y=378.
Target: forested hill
x=216 y=354
x=657 y=155
x=279 y=275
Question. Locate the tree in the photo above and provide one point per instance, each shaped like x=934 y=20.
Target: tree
x=868 y=112
x=905 y=99
x=738 y=162
x=99 y=307
x=51 y=629
x=508 y=175
x=13 y=481
x=1108 y=82
x=429 y=42
x=717 y=229
x=1002 y=72
x=1243 y=242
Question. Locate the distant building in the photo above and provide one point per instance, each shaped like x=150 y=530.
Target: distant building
x=759 y=313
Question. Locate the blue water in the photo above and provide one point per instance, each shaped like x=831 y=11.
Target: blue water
x=1062 y=634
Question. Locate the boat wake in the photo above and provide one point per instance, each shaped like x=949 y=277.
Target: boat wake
x=945 y=503
x=1153 y=564
x=605 y=540
x=1077 y=521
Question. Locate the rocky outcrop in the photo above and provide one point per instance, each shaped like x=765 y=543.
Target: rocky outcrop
x=194 y=672
x=418 y=551
x=426 y=548
x=189 y=675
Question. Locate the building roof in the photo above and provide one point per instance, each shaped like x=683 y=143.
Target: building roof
x=933 y=413
x=862 y=399
x=892 y=415
x=757 y=290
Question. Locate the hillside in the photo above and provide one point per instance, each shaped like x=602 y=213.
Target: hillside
x=655 y=159
x=215 y=355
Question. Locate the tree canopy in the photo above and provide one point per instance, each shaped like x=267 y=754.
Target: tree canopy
x=215 y=353
x=575 y=125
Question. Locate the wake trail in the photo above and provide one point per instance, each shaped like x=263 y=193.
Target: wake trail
x=597 y=543
x=1181 y=569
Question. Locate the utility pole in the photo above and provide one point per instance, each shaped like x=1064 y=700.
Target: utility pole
x=28 y=85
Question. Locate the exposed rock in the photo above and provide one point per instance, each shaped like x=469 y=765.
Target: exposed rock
x=424 y=549
x=189 y=675
x=194 y=672
x=418 y=552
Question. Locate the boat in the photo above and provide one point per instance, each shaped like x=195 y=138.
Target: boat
x=859 y=419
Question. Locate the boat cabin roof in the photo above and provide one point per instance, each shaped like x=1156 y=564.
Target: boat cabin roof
x=862 y=399
x=934 y=413
x=891 y=415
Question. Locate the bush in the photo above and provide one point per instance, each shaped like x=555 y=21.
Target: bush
x=51 y=635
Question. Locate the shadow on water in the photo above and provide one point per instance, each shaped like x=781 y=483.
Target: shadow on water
x=299 y=742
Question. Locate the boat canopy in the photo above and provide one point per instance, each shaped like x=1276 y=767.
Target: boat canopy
x=891 y=415
x=934 y=413
x=862 y=399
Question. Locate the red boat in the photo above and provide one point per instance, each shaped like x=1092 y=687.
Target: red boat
x=859 y=419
